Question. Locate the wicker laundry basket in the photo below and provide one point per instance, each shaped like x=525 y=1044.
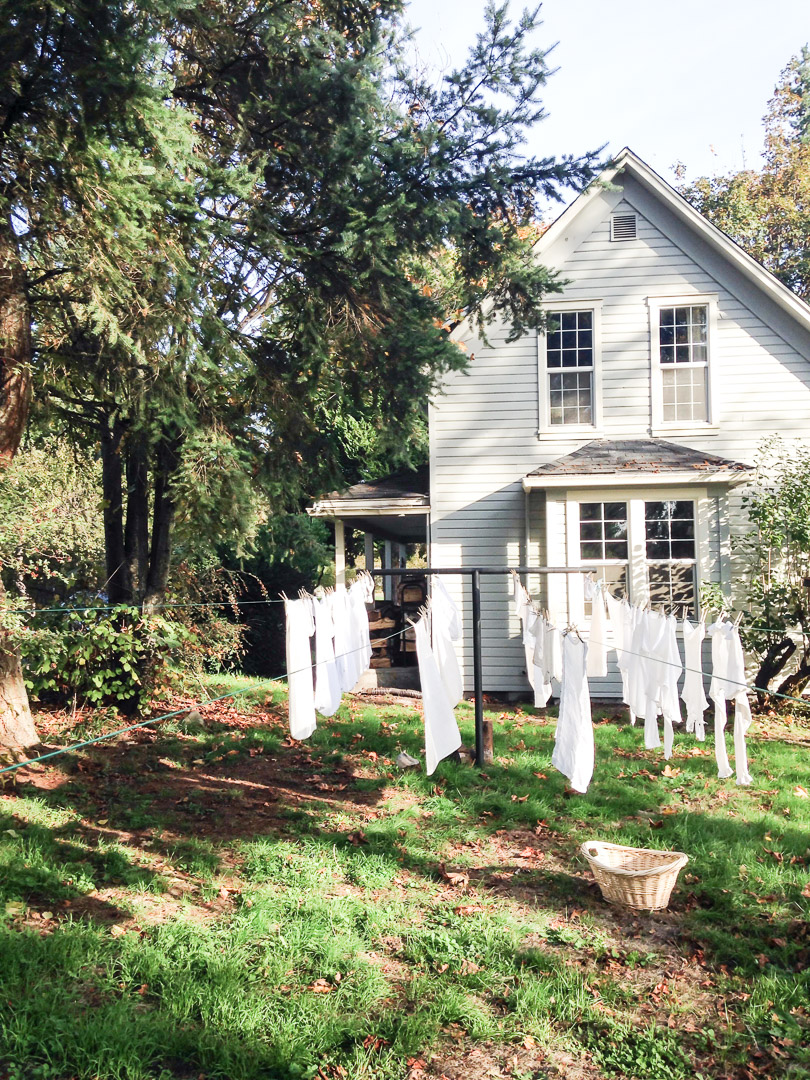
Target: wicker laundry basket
x=638 y=877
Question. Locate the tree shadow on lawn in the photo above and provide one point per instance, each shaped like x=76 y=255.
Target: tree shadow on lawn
x=190 y=816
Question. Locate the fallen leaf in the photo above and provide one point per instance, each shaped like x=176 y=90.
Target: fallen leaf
x=519 y=798
x=540 y=776
x=800 y=792
x=321 y=986
x=468 y=909
x=455 y=878
x=657 y=824
x=669 y=772
x=117 y=931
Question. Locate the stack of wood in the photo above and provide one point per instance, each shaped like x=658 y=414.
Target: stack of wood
x=381 y=626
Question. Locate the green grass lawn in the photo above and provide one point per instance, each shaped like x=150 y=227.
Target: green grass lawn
x=211 y=901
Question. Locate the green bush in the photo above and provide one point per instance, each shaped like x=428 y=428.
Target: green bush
x=116 y=657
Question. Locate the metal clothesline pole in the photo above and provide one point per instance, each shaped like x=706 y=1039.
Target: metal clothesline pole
x=475 y=573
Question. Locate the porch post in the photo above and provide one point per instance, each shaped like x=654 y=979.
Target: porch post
x=340 y=552
x=369 y=539
x=387 y=565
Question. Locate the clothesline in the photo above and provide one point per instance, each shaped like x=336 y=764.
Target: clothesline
x=158 y=719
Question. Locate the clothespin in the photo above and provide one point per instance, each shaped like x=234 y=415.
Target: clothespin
x=284 y=596
x=738 y=620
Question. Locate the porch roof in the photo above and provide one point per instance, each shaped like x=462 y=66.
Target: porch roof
x=636 y=461
x=394 y=507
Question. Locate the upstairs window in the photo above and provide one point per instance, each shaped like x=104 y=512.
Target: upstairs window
x=683 y=355
x=570 y=367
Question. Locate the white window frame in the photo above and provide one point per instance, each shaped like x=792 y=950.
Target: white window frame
x=658 y=426
x=635 y=497
x=545 y=429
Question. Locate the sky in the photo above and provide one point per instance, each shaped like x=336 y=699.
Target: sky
x=686 y=82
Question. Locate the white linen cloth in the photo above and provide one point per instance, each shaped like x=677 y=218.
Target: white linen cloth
x=597 y=639
x=445 y=624
x=327 y=683
x=300 y=627
x=542 y=685
x=664 y=671
x=621 y=626
x=344 y=644
x=573 y=740
x=693 y=694
x=728 y=684
x=441 y=730
x=642 y=629
x=552 y=653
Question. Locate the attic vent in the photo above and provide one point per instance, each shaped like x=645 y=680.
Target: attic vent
x=623 y=227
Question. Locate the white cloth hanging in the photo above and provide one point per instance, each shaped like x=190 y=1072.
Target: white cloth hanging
x=552 y=653
x=300 y=628
x=664 y=672
x=641 y=630
x=621 y=628
x=597 y=639
x=542 y=685
x=573 y=740
x=728 y=684
x=693 y=693
x=327 y=682
x=344 y=656
x=446 y=628
x=441 y=730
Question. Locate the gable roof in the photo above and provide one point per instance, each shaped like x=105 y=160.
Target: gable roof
x=627 y=163
x=617 y=461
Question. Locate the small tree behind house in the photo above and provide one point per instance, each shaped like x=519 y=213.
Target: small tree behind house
x=776 y=628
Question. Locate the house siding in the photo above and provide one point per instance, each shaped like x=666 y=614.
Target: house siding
x=484 y=424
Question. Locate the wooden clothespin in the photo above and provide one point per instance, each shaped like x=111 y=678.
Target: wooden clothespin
x=738 y=620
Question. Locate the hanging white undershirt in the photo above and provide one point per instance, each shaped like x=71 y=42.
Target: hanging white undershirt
x=597 y=640
x=327 y=683
x=441 y=730
x=446 y=628
x=728 y=684
x=573 y=740
x=300 y=627
x=693 y=693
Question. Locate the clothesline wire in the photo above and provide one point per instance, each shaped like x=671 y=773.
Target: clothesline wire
x=697 y=671
x=178 y=712
x=112 y=607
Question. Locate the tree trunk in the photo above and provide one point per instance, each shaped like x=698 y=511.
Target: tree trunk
x=167 y=459
x=136 y=532
x=119 y=584
x=16 y=725
x=15 y=348
x=773 y=662
x=794 y=684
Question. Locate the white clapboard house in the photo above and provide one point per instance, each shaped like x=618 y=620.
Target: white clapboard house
x=620 y=439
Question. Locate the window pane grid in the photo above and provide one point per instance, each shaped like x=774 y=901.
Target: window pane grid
x=603 y=532
x=570 y=397
x=569 y=342
x=684 y=392
x=683 y=352
x=671 y=552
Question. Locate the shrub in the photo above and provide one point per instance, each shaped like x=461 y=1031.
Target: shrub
x=115 y=657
